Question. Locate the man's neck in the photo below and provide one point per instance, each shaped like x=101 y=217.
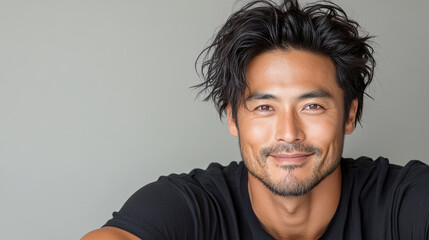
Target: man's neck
x=304 y=217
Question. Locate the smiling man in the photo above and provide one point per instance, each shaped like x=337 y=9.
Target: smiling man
x=291 y=81
x=292 y=121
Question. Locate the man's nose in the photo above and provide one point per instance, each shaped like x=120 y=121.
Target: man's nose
x=289 y=128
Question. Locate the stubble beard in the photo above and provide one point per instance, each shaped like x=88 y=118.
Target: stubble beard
x=289 y=185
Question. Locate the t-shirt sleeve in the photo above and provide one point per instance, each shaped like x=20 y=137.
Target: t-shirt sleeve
x=157 y=211
x=413 y=217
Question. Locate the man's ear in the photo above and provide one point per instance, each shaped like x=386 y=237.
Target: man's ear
x=350 y=123
x=232 y=126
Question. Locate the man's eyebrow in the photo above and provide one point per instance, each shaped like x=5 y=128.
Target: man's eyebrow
x=260 y=96
x=319 y=93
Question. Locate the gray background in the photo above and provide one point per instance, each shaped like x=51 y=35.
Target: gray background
x=95 y=102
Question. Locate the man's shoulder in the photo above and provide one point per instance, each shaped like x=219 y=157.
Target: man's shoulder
x=382 y=174
x=398 y=187
x=215 y=183
x=377 y=189
x=214 y=172
x=383 y=165
x=215 y=168
x=181 y=205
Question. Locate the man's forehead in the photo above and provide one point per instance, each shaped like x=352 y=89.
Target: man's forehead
x=293 y=72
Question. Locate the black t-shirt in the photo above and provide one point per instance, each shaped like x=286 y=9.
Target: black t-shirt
x=378 y=201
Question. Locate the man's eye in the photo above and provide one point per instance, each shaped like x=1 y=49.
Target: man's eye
x=264 y=108
x=313 y=107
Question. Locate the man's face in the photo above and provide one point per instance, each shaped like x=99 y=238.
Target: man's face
x=291 y=124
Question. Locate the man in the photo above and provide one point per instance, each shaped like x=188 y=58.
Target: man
x=291 y=81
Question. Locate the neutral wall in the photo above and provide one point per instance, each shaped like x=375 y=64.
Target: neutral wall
x=95 y=102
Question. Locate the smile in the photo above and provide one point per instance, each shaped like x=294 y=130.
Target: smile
x=291 y=158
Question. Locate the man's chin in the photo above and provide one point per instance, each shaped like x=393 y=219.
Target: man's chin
x=286 y=185
x=291 y=187
x=286 y=173
x=295 y=181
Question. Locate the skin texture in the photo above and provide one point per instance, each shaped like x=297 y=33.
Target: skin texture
x=291 y=130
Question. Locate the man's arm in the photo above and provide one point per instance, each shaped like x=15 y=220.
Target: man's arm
x=109 y=233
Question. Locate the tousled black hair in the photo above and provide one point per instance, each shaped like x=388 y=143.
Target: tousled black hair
x=261 y=26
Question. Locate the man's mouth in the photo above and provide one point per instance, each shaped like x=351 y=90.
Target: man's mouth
x=290 y=158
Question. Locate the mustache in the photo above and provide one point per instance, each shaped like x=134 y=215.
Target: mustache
x=290 y=148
